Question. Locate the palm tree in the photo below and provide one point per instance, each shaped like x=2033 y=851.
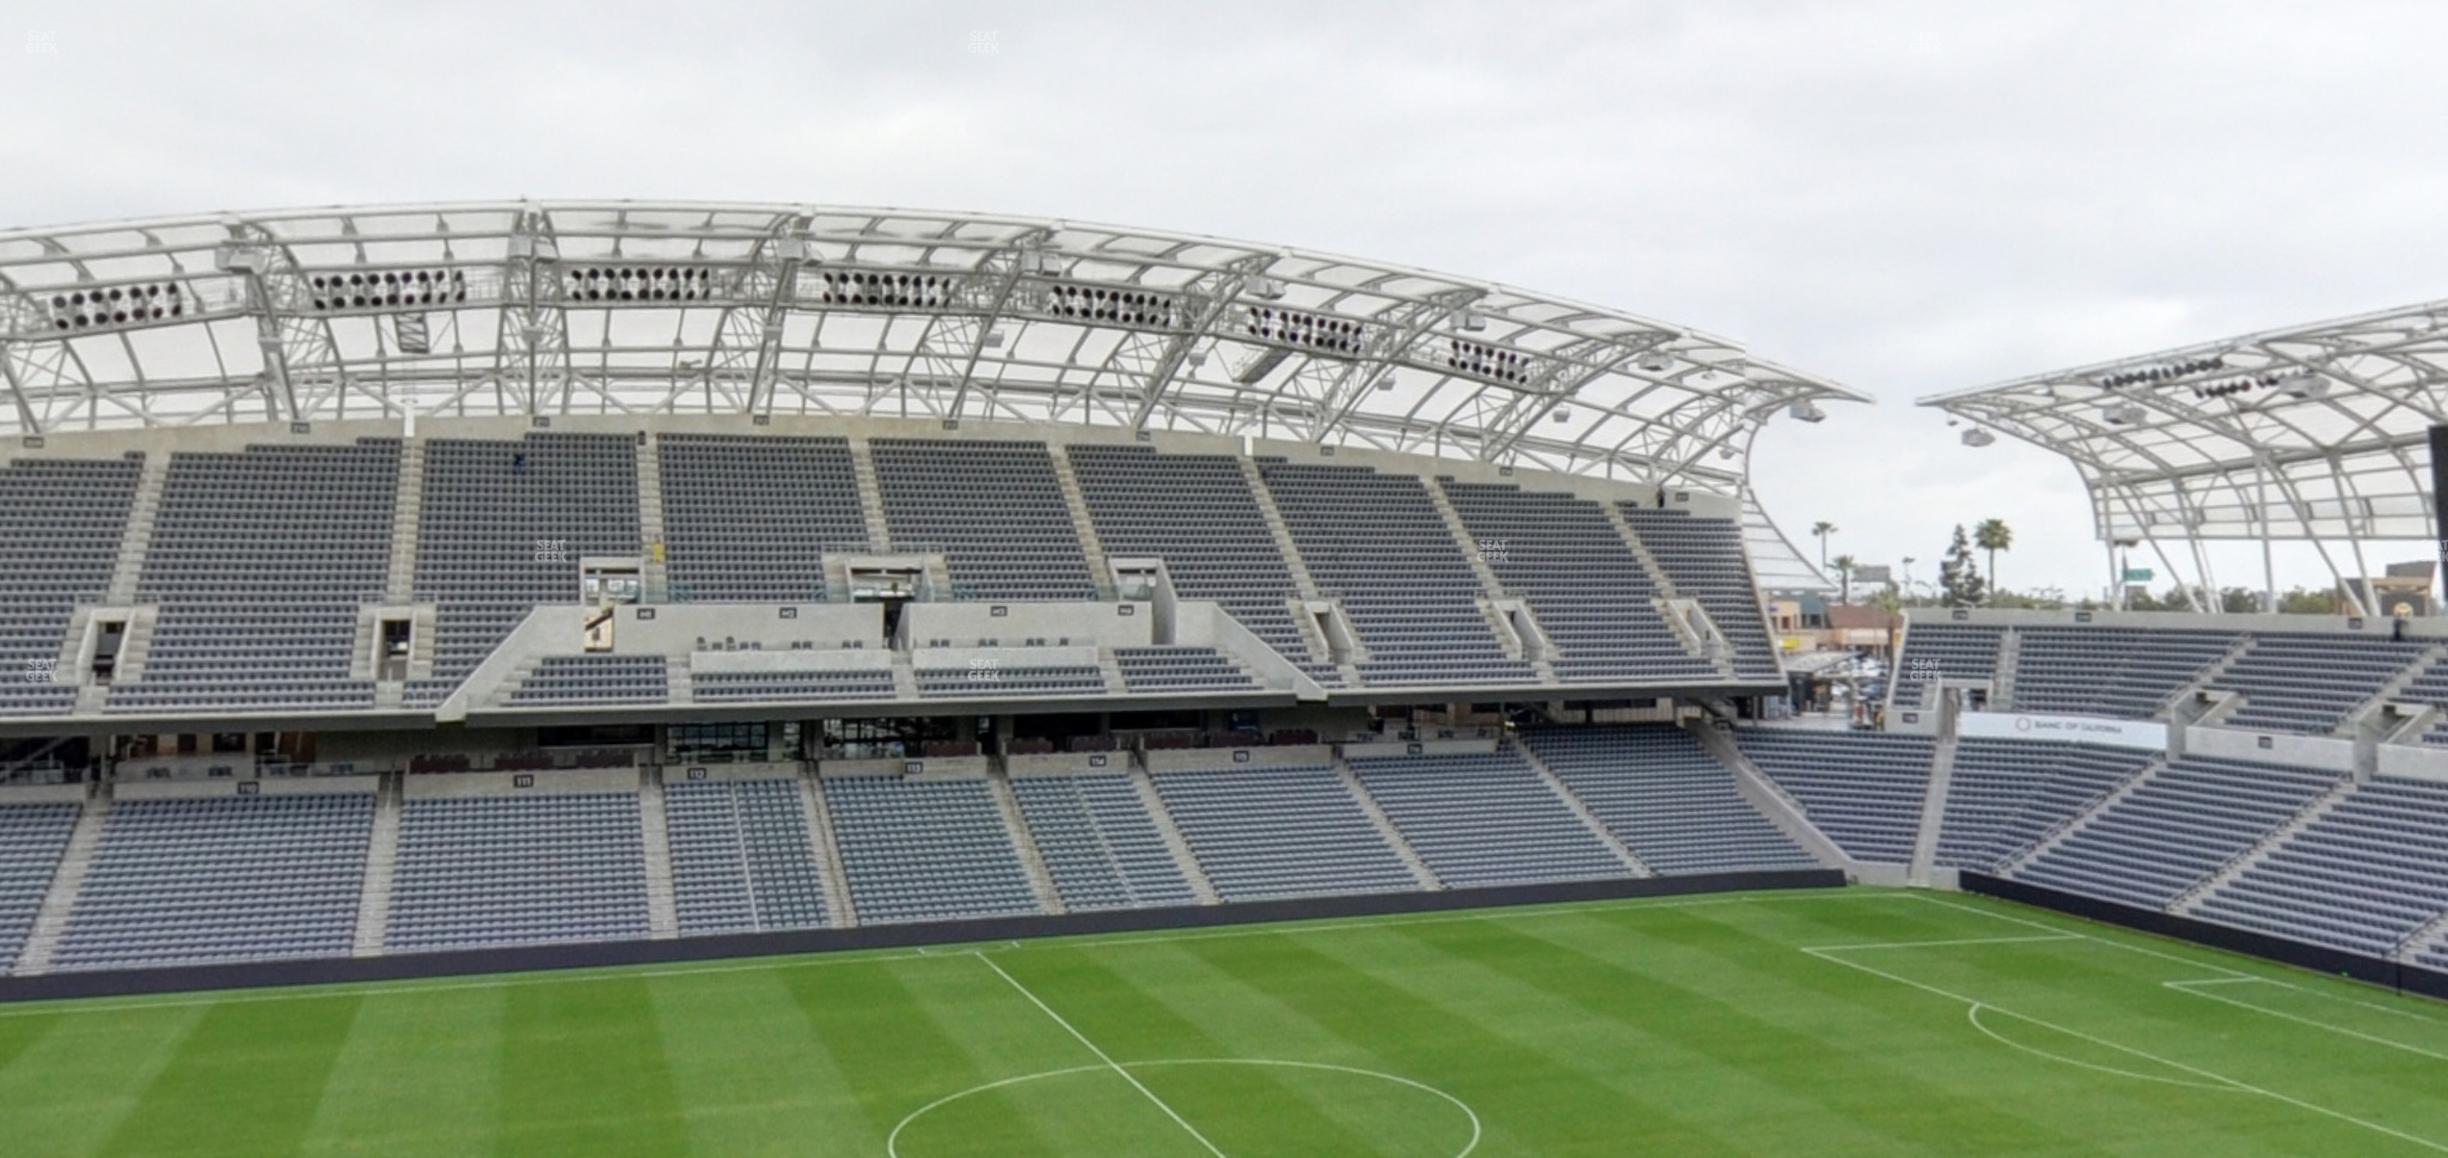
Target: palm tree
x=1993 y=536
x=1823 y=529
x=1844 y=575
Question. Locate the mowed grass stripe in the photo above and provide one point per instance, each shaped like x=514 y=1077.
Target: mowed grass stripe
x=419 y=1077
x=71 y=1086
x=907 y=1033
x=243 y=1081
x=1244 y=1110
x=751 y=1074
x=583 y=1073
x=2097 y=988
x=2104 y=1109
x=1544 y=1104
x=1686 y=995
x=2109 y=989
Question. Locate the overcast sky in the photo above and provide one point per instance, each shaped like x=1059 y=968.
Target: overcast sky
x=1906 y=197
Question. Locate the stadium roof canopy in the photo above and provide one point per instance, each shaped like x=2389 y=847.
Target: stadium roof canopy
x=627 y=307
x=2314 y=432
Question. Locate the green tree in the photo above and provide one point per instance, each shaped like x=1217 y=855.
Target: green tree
x=1993 y=536
x=1844 y=575
x=1959 y=577
x=2304 y=601
x=1823 y=529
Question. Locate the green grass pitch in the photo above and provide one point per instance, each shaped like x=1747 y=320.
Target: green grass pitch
x=1853 y=1022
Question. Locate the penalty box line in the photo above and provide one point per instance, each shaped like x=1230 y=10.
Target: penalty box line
x=2193 y=987
x=1975 y=1006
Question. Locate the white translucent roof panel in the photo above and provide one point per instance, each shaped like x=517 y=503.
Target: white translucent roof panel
x=615 y=307
x=2315 y=431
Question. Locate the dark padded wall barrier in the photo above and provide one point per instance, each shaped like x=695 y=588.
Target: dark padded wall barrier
x=122 y=982
x=2319 y=959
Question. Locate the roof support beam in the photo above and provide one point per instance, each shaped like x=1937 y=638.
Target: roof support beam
x=531 y=354
x=298 y=348
x=1395 y=337
x=1153 y=359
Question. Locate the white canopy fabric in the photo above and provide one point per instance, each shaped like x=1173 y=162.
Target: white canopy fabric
x=630 y=307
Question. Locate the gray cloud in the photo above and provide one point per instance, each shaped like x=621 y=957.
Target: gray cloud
x=1908 y=197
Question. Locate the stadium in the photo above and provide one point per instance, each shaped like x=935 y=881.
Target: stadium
x=633 y=677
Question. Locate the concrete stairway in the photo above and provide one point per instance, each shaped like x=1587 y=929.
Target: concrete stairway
x=1589 y=819
x=1265 y=499
x=1771 y=801
x=2277 y=838
x=1024 y=842
x=1092 y=548
x=382 y=863
x=662 y=914
x=51 y=921
x=653 y=575
x=1472 y=549
x=871 y=496
x=1933 y=808
x=407 y=511
x=2082 y=817
x=1640 y=550
x=1183 y=858
x=838 y=905
x=1385 y=827
x=2211 y=674
x=2395 y=687
x=2009 y=657
x=139 y=536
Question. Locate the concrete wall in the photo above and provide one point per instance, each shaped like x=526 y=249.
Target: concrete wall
x=1215 y=759
x=1391 y=748
x=2409 y=762
x=1067 y=763
x=675 y=628
x=943 y=767
x=982 y=661
x=269 y=786
x=862 y=659
x=729 y=773
x=2150 y=735
x=546 y=782
x=1091 y=624
x=2279 y=748
x=41 y=793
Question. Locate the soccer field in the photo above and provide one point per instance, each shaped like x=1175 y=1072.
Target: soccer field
x=1854 y=1022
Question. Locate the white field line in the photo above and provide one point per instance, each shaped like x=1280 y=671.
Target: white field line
x=1972 y=1013
x=2392 y=1010
x=2228 y=975
x=2145 y=950
x=2031 y=940
x=2104 y=1043
x=2184 y=987
x=1102 y=1056
x=921 y=953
